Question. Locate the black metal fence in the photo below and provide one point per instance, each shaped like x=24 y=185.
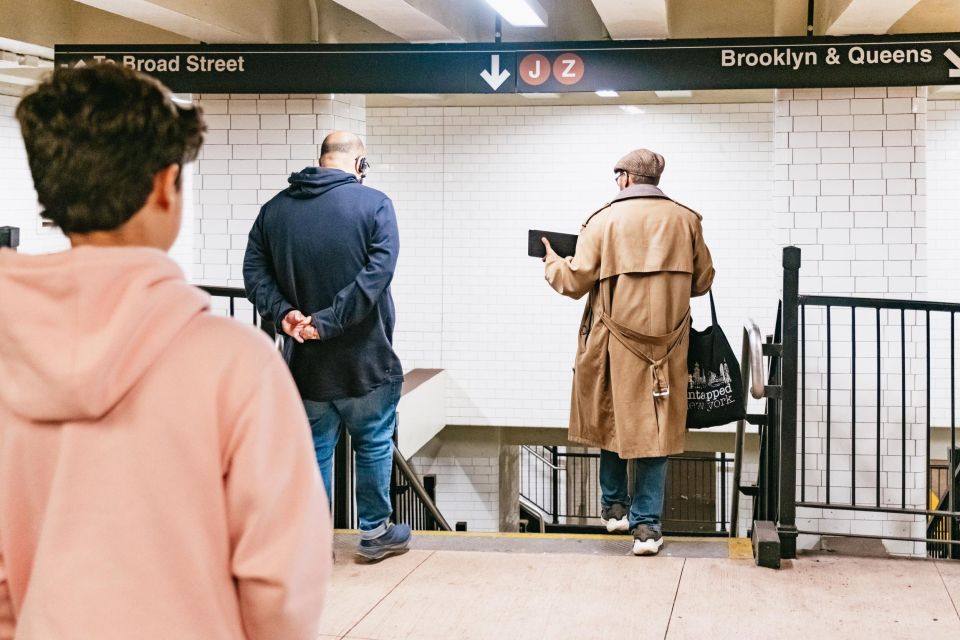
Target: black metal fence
x=563 y=484
x=230 y=299
x=10 y=237
x=871 y=375
x=414 y=502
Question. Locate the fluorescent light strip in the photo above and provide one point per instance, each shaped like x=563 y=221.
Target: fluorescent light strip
x=607 y=93
x=520 y=13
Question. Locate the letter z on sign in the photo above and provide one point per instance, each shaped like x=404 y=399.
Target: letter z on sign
x=568 y=68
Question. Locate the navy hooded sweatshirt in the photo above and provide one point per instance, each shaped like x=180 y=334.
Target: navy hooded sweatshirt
x=327 y=246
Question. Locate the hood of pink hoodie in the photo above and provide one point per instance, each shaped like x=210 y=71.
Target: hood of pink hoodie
x=78 y=329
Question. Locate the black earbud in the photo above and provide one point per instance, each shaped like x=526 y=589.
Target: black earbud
x=363 y=166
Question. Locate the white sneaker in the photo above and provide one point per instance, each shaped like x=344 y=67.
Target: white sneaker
x=618 y=526
x=646 y=541
x=615 y=519
x=649 y=547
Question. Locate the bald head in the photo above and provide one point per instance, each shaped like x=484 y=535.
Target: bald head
x=342 y=150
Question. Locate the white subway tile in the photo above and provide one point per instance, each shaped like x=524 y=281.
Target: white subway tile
x=271 y=106
x=870 y=92
x=834 y=138
x=240 y=107
x=275 y=121
x=245 y=122
x=870 y=122
x=271 y=136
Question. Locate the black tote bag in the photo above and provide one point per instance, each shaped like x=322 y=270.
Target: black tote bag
x=714 y=385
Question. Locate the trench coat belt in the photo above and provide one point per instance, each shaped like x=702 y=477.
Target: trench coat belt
x=632 y=339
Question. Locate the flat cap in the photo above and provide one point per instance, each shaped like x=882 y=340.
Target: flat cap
x=641 y=162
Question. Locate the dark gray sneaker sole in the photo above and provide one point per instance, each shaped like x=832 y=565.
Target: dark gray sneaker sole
x=380 y=553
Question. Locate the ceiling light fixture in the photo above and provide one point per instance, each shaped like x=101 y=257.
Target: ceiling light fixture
x=607 y=93
x=683 y=93
x=521 y=13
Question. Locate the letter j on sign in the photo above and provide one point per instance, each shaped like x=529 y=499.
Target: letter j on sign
x=534 y=69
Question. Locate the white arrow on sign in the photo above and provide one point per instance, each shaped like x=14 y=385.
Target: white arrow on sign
x=955 y=59
x=495 y=77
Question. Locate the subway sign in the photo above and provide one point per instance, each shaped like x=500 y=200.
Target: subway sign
x=732 y=63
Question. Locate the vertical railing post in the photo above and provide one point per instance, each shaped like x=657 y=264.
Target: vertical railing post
x=342 y=485
x=10 y=237
x=723 y=490
x=555 y=483
x=954 y=526
x=787 y=510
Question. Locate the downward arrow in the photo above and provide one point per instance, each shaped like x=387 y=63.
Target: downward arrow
x=955 y=59
x=495 y=77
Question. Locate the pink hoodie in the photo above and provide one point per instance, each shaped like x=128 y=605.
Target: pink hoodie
x=157 y=478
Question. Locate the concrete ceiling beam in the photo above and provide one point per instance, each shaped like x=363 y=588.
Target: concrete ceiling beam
x=851 y=17
x=424 y=20
x=633 y=19
x=210 y=21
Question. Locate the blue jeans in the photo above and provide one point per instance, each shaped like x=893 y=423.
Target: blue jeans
x=370 y=420
x=646 y=499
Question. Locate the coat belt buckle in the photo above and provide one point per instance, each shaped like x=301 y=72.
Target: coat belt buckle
x=661 y=390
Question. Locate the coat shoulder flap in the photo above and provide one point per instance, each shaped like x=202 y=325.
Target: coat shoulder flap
x=648 y=235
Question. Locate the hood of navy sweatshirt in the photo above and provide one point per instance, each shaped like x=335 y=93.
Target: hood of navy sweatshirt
x=316 y=181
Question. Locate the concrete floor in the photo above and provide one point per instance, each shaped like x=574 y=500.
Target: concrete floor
x=513 y=587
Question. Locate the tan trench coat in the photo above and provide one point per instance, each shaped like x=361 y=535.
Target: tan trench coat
x=641 y=258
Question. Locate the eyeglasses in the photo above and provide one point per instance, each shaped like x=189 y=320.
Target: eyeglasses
x=616 y=176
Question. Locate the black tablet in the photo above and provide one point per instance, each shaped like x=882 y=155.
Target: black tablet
x=565 y=244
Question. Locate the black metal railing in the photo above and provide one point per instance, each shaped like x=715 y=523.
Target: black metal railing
x=10 y=237
x=231 y=299
x=563 y=484
x=414 y=502
x=941 y=527
x=867 y=368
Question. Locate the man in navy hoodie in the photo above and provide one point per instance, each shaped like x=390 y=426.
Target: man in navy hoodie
x=319 y=261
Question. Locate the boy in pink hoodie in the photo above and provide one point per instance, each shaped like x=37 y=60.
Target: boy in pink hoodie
x=157 y=477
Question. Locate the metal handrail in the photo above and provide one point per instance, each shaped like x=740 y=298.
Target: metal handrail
x=539 y=457
x=751 y=372
x=533 y=506
x=414 y=482
x=751 y=333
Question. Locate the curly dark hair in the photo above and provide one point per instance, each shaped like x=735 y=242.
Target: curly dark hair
x=95 y=138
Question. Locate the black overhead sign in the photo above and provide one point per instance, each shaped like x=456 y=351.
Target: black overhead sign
x=735 y=63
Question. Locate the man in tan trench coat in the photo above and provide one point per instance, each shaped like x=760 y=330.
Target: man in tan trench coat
x=640 y=257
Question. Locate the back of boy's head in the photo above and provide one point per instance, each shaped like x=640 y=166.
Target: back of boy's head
x=95 y=138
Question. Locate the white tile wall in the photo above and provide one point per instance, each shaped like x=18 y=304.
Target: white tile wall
x=943 y=199
x=850 y=186
x=20 y=208
x=254 y=142
x=466 y=463
x=469 y=182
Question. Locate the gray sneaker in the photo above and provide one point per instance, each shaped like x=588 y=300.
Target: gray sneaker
x=646 y=540
x=392 y=542
x=614 y=518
